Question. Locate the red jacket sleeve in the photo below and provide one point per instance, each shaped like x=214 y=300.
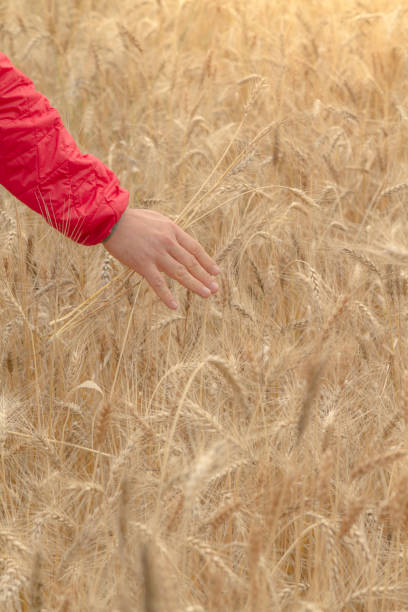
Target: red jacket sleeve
x=41 y=165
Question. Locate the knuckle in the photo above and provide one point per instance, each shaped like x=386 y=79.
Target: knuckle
x=156 y=282
x=195 y=249
x=194 y=265
x=190 y=261
x=180 y=272
x=166 y=241
x=169 y=228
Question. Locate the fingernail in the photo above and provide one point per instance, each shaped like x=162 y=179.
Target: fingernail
x=213 y=287
x=205 y=292
x=215 y=270
x=173 y=304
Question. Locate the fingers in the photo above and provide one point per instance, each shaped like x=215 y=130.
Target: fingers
x=176 y=270
x=193 y=247
x=158 y=284
x=192 y=265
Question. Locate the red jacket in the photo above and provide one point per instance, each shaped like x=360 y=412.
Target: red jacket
x=41 y=165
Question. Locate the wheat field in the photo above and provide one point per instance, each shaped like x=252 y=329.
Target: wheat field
x=249 y=452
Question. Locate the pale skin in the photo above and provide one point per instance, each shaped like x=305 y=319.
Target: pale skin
x=151 y=244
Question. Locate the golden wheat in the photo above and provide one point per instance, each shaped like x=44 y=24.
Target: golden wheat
x=248 y=453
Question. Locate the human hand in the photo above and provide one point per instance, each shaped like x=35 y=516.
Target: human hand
x=150 y=243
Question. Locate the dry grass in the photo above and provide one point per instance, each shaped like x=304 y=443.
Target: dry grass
x=250 y=452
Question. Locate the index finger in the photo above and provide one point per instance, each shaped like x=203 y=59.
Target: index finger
x=197 y=250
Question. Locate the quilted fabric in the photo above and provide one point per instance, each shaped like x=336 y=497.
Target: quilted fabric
x=41 y=165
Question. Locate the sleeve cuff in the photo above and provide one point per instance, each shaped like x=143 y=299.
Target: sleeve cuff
x=112 y=230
